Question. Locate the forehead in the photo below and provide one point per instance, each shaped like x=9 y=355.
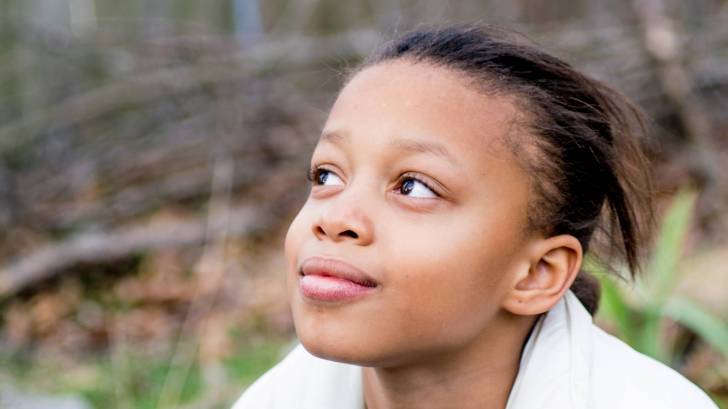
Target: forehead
x=424 y=101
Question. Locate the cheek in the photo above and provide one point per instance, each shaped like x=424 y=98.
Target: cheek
x=448 y=292
x=453 y=278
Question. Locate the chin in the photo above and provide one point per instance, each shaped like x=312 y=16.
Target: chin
x=362 y=348
x=332 y=350
x=346 y=345
x=335 y=334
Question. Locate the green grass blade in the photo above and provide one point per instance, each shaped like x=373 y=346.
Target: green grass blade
x=668 y=249
x=706 y=325
x=613 y=305
x=615 y=309
x=651 y=340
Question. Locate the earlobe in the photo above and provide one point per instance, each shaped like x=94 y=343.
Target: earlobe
x=553 y=265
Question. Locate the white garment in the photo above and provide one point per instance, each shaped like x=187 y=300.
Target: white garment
x=567 y=363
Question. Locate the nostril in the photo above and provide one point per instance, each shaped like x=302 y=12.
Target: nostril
x=350 y=234
x=319 y=230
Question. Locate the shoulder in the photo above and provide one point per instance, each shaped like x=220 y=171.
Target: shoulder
x=302 y=380
x=635 y=380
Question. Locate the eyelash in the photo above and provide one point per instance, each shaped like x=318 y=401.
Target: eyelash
x=312 y=176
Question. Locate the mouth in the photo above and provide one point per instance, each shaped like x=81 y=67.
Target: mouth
x=326 y=267
x=323 y=279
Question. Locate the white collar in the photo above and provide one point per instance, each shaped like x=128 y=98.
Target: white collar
x=555 y=360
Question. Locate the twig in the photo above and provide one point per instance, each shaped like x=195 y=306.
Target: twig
x=219 y=210
x=107 y=246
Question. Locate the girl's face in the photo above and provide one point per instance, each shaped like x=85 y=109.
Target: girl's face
x=416 y=189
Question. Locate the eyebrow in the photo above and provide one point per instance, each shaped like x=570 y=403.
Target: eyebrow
x=403 y=144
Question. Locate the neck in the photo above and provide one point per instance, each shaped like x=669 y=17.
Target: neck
x=478 y=375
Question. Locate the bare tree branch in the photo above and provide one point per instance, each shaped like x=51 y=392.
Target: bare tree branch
x=104 y=247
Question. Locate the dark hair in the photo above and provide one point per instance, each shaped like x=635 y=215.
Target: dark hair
x=582 y=150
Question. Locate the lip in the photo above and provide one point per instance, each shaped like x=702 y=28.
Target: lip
x=324 y=279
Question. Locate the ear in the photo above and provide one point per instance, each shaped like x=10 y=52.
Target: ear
x=553 y=265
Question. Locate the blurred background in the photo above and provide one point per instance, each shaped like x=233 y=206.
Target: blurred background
x=153 y=152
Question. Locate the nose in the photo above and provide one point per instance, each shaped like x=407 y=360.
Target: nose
x=344 y=219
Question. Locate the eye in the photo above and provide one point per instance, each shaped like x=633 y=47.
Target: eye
x=320 y=176
x=414 y=187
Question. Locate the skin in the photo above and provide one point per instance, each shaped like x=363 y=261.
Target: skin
x=461 y=280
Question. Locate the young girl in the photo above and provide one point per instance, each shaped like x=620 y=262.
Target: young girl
x=456 y=186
